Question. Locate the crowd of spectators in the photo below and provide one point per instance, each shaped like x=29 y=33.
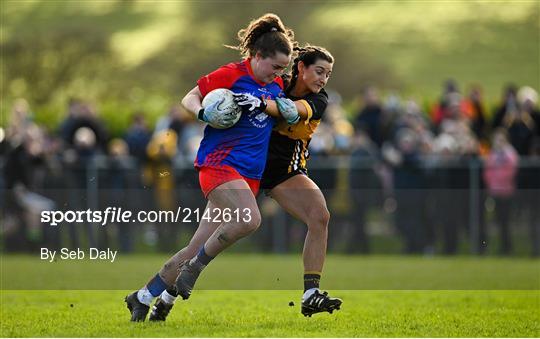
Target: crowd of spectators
x=417 y=163
x=431 y=162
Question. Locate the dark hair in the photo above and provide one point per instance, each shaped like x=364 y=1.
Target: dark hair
x=266 y=35
x=308 y=55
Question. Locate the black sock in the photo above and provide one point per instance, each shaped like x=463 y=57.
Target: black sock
x=311 y=280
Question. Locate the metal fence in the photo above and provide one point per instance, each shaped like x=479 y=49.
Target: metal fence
x=436 y=206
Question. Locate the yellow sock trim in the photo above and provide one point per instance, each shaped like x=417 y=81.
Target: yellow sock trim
x=313 y=272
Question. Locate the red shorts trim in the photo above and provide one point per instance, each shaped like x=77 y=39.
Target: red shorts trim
x=212 y=177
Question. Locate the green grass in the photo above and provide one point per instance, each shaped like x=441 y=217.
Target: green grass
x=248 y=296
x=280 y=272
x=267 y=314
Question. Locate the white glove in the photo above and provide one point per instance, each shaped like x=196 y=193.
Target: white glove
x=216 y=117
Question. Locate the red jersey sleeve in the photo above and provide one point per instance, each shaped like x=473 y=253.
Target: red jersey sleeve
x=280 y=82
x=223 y=77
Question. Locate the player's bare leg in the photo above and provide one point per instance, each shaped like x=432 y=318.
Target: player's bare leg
x=233 y=195
x=162 y=284
x=303 y=199
x=206 y=228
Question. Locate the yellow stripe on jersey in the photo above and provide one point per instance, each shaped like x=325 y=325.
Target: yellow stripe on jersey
x=308 y=109
x=299 y=131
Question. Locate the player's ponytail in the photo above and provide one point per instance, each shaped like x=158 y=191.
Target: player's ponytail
x=309 y=55
x=265 y=35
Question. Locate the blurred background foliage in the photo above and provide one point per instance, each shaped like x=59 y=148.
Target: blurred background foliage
x=133 y=55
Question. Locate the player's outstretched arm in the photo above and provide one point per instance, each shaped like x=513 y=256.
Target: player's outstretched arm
x=278 y=108
x=273 y=110
x=291 y=111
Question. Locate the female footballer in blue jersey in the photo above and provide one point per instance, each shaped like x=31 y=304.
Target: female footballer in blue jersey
x=285 y=176
x=230 y=161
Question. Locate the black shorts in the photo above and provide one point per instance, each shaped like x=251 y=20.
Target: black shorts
x=270 y=181
x=286 y=158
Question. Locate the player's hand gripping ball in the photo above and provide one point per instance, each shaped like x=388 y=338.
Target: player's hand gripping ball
x=219 y=109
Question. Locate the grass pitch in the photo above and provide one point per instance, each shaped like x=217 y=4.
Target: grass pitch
x=371 y=312
x=267 y=314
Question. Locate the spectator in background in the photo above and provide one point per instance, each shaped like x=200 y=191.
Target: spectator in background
x=527 y=98
x=500 y=178
x=413 y=118
x=456 y=124
x=84 y=115
x=23 y=174
x=439 y=110
x=530 y=173
x=323 y=140
x=54 y=177
x=370 y=118
x=342 y=129
x=21 y=119
x=365 y=190
x=334 y=133
x=467 y=124
x=81 y=165
x=113 y=188
x=454 y=162
x=189 y=132
x=474 y=110
x=509 y=100
x=137 y=137
x=189 y=142
x=3 y=143
x=65 y=129
x=172 y=121
x=392 y=111
x=447 y=213
x=520 y=127
x=85 y=137
x=161 y=150
x=408 y=185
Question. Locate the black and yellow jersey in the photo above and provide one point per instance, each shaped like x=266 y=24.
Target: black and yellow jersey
x=288 y=149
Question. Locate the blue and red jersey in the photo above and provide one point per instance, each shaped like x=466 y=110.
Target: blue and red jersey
x=245 y=145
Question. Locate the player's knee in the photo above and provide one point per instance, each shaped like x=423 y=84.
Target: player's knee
x=325 y=219
x=319 y=219
x=250 y=225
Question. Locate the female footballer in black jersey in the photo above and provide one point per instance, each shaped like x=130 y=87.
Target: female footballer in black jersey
x=285 y=177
